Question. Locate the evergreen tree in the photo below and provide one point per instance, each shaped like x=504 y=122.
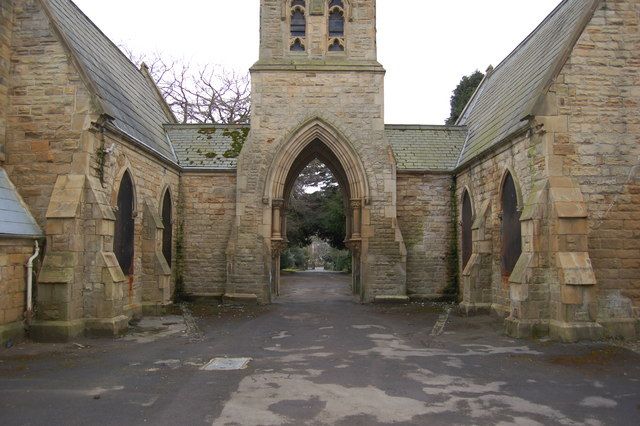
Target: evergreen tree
x=462 y=94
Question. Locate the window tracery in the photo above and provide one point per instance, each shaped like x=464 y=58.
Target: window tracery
x=336 y=25
x=298 y=24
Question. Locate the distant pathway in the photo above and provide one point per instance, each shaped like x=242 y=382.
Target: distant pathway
x=315 y=286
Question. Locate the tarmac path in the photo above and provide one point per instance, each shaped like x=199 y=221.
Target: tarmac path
x=317 y=357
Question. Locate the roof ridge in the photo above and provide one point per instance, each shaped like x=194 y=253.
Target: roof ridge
x=204 y=125
x=425 y=126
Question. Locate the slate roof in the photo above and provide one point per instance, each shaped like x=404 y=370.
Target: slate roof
x=432 y=148
x=203 y=146
x=125 y=93
x=15 y=219
x=509 y=93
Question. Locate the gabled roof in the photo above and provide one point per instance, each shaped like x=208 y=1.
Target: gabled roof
x=509 y=94
x=426 y=148
x=124 y=92
x=203 y=146
x=15 y=219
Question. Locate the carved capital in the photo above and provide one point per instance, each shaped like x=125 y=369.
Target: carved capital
x=277 y=247
x=356 y=204
x=355 y=246
x=278 y=203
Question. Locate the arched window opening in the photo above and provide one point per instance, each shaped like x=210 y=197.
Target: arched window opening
x=336 y=26
x=124 y=227
x=336 y=46
x=297 y=46
x=467 y=223
x=510 y=229
x=167 y=234
x=336 y=22
x=298 y=25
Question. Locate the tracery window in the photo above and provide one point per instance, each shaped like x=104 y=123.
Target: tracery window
x=467 y=225
x=510 y=229
x=298 y=26
x=336 y=25
x=123 y=238
x=167 y=234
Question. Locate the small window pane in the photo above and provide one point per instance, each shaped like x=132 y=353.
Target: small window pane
x=297 y=46
x=336 y=46
x=338 y=3
x=336 y=24
x=298 y=3
x=298 y=24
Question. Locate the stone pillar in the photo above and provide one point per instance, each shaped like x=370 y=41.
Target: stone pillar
x=276 y=220
x=476 y=276
x=60 y=304
x=356 y=211
x=156 y=272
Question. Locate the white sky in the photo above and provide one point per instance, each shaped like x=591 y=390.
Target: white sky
x=426 y=46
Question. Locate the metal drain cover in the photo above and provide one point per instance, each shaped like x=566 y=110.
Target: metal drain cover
x=226 y=364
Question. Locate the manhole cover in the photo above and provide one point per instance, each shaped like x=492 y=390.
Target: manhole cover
x=225 y=364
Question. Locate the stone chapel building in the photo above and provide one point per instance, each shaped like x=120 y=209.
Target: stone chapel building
x=532 y=198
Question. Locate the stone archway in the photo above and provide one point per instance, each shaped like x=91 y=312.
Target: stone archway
x=317 y=140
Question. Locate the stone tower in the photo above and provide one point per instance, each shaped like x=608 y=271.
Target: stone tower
x=317 y=92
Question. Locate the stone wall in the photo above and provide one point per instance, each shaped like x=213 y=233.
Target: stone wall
x=151 y=178
x=343 y=109
x=424 y=216
x=53 y=146
x=483 y=179
x=6 y=28
x=275 y=32
x=598 y=92
x=208 y=212
x=14 y=255
x=48 y=109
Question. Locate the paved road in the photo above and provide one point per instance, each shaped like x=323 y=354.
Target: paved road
x=319 y=358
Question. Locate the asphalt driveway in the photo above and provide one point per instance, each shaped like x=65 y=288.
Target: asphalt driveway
x=317 y=357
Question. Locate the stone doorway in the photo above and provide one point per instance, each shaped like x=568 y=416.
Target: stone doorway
x=316 y=152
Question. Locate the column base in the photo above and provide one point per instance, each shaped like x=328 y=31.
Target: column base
x=107 y=327
x=246 y=298
x=156 y=309
x=576 y=331
x=525 y=329
x=620 y=328
x=500 y=311
x=471 y=309
x=13 y=332
x=391 y=299
x=56 y=331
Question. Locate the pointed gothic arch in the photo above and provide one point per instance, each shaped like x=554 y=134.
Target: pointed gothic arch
x=317 y=133
x=317 y=139
x=124 y=230
x=466 y=223
x=166 y=214
x=510 y=228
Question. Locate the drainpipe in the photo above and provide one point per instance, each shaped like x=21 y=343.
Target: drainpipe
x=29 y=313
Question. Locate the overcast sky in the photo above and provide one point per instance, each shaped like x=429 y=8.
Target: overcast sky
x=425 y=45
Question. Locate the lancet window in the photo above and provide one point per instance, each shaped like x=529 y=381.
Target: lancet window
x=336 y=25
x=298 y=15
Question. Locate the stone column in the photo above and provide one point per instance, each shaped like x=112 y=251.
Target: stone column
x=276 y=222
x=356 y=209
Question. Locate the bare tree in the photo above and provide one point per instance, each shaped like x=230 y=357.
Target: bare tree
x=199 y=95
